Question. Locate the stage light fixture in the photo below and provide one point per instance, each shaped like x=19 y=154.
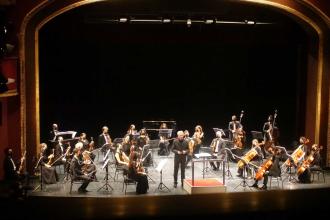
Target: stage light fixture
x=249 y=22
x=188 y=22
x=208 y=21
x=166 y=20
x=123 y=20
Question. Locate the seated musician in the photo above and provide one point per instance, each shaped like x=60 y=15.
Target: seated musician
x=256 y=160
x=126 y=145
x=121 y=157
x=86 y=145
x=49 y=174
x=274 y=169
x=311 y=162
x=77 y=172
x=217 y=148
x=88 y=165
x=136 y=172
x=131 y=131
x=143 y=139
x=163 y=141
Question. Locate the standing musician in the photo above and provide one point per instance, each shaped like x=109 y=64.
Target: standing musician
x=104 y=140
x=233 y=126
x=180 y=150
x=198 y=138
x=217 y=148
x=131 y=131
x=270 y=133
x=78 y=173
x=53 y=132
x=59 y=152
x=273 y=170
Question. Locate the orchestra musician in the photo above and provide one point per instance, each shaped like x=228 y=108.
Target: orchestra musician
x=163 y=141
x=12 y=174
x=78 y=173
x=180 y=150
x=136 y=172
x=191 y=144
x=53 y=132
x=217 y=149
x=121 y=157
x=49 y=174
x=198 y=138
x=274 y=170
x=233 y=126
x=143 y=139
x=270 y=133
x=59 y=152
x=104 y=140
x=86 y=145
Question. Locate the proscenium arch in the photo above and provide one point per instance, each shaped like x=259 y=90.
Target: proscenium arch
x=47 y=10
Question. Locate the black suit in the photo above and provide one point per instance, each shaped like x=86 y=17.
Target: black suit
x=10 y=169
x=77 y=173
x=233 y=125
x=179 y=159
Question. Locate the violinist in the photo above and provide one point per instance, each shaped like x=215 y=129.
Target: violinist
x=77 y=172
x=135 y=172
x=88 y=165
x=143 y=139
x=86 y=145
x=163 y=141
x=121 y=157
x=59 y=152
x=191 y=144
x=269 y=168
x=49 y=174
x=104 y=140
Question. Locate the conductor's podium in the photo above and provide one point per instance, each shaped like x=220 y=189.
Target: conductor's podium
x=210 y=185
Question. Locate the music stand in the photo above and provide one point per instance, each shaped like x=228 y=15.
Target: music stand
x=159 y=168
x=41 y=179
x=106 y=185
x=243 y=183
x=257 y=135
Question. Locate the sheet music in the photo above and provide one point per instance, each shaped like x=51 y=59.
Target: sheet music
x=161 y=164
x=105 y=164
x=201 y=155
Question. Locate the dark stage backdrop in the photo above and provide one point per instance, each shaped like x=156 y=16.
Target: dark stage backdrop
x=108 y=74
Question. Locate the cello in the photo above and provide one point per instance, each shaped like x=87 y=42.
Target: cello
x=308 y=161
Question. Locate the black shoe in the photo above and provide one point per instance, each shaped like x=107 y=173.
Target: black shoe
x=264 y=187
x=239 y=175
x=175 y=185
x=255 y=185
x=82 y=190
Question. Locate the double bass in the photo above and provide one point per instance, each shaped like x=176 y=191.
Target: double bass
x=239 y=134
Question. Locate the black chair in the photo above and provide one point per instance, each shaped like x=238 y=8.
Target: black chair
x=127 y=181
x=317 y=171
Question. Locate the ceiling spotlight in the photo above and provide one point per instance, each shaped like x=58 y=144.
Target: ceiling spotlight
x=208 y=21
x=166 y=20
x=249 y=22
x=123 y=20
x=188 y=22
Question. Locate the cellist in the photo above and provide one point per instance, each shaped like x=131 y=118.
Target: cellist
x=271 y=167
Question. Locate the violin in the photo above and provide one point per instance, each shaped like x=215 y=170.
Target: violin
x=91 y=145
x=51 y=158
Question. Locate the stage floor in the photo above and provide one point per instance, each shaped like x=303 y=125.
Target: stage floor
x=232 y=182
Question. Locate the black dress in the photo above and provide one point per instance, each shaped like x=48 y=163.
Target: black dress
x=141 y=179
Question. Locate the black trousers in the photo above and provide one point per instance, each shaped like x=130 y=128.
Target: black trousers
x=179 y=160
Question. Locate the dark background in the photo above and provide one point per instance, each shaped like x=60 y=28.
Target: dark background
x=97 y=73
